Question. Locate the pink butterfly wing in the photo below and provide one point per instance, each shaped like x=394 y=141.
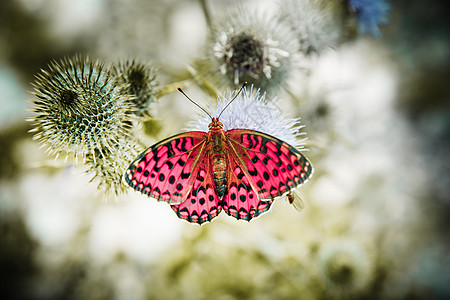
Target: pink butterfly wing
x=241 y=201
x=265 y=168
x=177 y=170
x=202 y=203
x=164 y=171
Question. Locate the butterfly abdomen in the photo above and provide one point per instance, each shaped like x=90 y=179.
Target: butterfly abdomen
x=219 y=167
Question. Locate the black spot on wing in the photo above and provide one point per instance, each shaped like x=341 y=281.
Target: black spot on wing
x=253 y=172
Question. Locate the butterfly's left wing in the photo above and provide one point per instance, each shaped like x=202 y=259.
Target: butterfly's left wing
x=177 y=170
x=165 y=171
x=262 y=168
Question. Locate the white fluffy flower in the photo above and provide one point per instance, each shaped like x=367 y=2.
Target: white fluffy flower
x=251 y=110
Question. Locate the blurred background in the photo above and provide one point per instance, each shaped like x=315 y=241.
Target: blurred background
x=375 y=223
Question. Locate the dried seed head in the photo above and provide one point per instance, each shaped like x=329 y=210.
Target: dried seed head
x=244 y=54
x=251 y=48
x=77 y=108
x=138 y=81
x=318 y=24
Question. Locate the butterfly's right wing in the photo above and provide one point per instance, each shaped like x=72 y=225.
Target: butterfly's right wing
x=264 y=168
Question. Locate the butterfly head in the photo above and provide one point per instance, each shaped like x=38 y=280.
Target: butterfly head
x=215 y=124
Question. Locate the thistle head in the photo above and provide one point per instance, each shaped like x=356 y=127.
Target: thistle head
x=251 y=48
x=138 y=82
x=77 y=108
x=107 y=167
x=345 y=268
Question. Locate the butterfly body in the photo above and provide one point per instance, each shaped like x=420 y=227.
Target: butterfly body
x=200 y=174
x=216 y=138
x=220 y=175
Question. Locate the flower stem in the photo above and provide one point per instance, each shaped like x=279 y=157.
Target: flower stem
x=206 y=12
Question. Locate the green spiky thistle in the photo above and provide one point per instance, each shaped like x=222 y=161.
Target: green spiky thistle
x=108 y=172
x=137 y=80
x=79 y=110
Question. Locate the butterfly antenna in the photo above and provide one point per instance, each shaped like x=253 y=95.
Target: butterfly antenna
x=181 y=91
x=237 y=94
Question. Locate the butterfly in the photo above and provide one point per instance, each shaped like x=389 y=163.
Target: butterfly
x=199 y=174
